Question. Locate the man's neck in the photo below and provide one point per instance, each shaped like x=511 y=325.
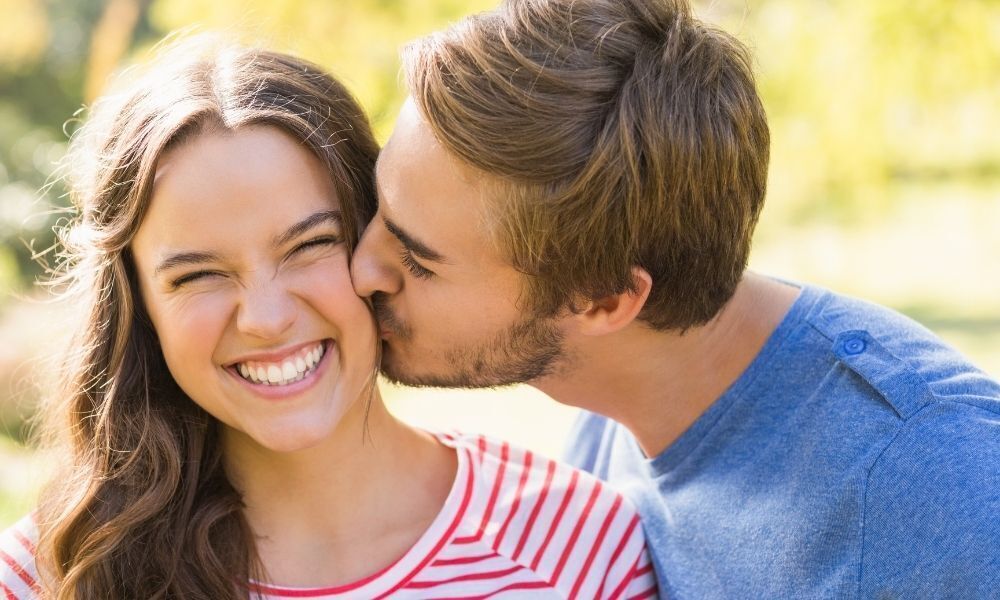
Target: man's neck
x=658 y=383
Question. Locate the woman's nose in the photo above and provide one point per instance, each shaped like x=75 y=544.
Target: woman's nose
x=267 y=311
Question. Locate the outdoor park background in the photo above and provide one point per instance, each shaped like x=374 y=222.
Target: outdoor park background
x=885 y=177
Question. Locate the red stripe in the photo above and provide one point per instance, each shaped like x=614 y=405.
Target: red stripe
x=625 y=582
x=597 y=545
x=644 y=570
x=520 y=585
x=649 y=593
x=20 y=572
x=469 y=577
x=7 y=592
x=481 y=446
x=314 y=592
x=444 y=539
x=576 y=532
x=463 y=560
x=537 y=509
x=497 y=484
x=555 y=521
x=517 y=500
x=24 y=542
x=621 y=546
x=465 y=540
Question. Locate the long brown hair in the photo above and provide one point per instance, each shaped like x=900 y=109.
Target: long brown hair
x=619 y=133
x=141 y=506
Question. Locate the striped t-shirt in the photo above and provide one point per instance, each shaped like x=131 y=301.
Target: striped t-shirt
x=514 y=525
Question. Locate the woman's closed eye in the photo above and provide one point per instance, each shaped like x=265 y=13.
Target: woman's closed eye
x=323 y=241
x=304 y=248
x=192 y=277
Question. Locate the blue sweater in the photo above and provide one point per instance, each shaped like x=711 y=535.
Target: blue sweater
x=857 y=457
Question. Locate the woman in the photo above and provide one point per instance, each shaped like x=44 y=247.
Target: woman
x=222 y=433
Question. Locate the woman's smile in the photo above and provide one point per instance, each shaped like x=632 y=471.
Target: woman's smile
x=286 y=373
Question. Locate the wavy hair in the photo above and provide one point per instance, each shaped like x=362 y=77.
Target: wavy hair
x=618 y=133
x=142 y=507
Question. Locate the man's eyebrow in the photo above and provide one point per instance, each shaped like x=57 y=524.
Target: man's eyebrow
x=313 y=220
x=415 y=246
x=184 y=259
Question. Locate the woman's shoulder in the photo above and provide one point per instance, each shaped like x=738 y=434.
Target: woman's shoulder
x=546 y=501
x=518 y=473
x=18 y=573
x=561 y=523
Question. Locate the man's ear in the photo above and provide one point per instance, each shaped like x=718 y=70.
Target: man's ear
x=612 y=313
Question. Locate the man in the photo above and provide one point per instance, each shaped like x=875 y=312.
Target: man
x=568 y=199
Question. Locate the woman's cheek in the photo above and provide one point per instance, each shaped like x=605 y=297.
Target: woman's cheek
x=196 y=317
x=326 y=278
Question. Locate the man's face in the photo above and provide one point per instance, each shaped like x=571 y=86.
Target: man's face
x=450 y=307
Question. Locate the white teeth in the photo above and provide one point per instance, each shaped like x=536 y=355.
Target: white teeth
x=292 y=369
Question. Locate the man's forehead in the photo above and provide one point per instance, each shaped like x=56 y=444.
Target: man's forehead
x=411 y=134
x=432 y=204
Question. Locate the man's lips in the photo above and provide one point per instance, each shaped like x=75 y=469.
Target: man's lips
x=389 y=324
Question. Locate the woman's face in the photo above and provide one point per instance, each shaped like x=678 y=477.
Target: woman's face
x=244 y=272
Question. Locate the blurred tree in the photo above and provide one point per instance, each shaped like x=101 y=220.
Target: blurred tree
x=44 y=50
x=862 y=96
x=359 y=41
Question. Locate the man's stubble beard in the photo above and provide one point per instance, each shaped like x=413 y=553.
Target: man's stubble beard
x=525 y=351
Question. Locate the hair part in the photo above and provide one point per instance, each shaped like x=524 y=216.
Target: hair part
x=143 y=507
x=618 y=133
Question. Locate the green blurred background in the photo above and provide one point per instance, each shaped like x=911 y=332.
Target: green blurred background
x=885 y=178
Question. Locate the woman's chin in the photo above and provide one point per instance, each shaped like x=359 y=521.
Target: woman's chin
x=285 y=438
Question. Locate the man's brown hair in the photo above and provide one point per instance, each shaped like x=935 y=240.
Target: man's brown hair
x=619 y=133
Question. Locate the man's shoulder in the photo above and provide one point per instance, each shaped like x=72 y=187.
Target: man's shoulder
x=18 y=573
x=906 y=364
x=930 y=505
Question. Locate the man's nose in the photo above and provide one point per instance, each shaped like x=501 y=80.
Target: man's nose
x=374 y=265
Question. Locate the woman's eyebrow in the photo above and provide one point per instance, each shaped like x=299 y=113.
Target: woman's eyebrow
x=196 y=258
x=315 y=220
x=184 y=259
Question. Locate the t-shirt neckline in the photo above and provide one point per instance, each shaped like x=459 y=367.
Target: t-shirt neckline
x=670 y=458
x=389 y=579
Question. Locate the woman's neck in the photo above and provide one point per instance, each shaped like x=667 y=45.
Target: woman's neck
x=338 y=511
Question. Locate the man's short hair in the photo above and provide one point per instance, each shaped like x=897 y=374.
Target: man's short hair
x=619 y=133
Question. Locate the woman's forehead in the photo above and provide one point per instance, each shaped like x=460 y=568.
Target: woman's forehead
x=251 y=180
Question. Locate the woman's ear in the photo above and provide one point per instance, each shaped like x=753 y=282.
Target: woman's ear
x=612 y=313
